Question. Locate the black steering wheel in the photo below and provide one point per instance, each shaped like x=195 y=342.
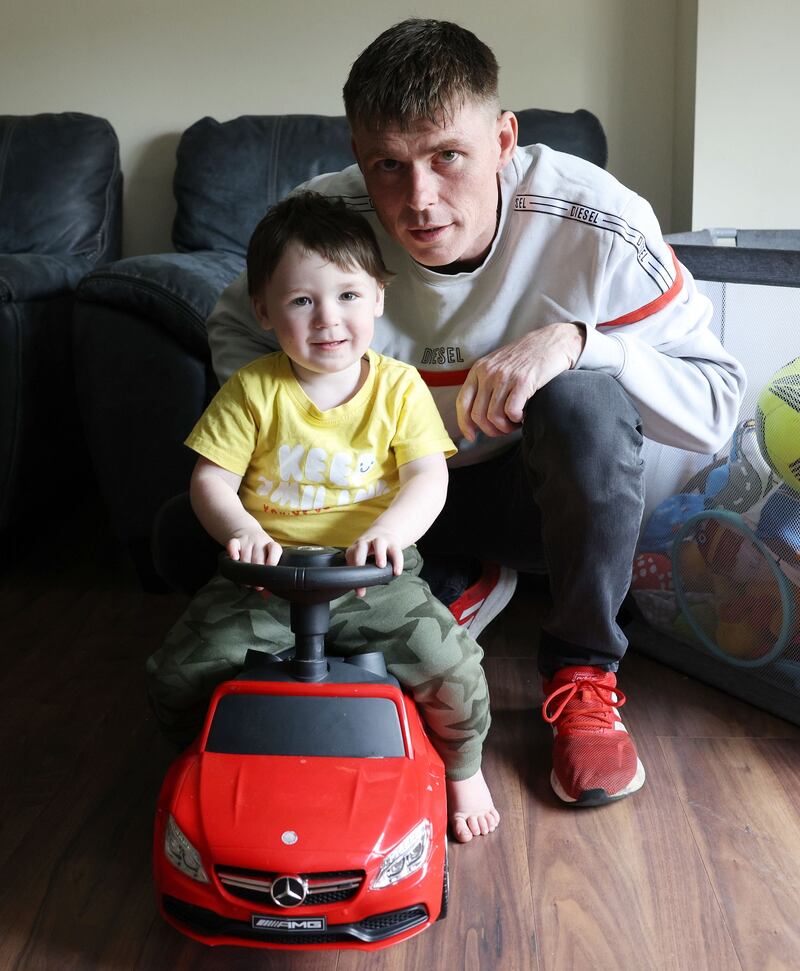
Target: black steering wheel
x=309 y=577
x=306 y=574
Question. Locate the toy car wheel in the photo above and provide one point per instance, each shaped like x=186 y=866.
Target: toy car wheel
x=445 y=884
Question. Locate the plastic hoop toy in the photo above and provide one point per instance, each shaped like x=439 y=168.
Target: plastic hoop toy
x=734 y=521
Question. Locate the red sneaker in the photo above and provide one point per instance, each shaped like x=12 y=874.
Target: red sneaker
x=479 y=604
x=594 y=758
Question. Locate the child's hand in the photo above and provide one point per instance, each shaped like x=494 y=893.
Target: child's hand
x=254 y=546
x=383 y=546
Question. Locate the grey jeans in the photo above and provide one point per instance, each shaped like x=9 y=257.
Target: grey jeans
x=566 y=500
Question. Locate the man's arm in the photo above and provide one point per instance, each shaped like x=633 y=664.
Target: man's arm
x=420 y=499
x=493 y=397
x=234 y=335
x=654 y=340
x=685 y=385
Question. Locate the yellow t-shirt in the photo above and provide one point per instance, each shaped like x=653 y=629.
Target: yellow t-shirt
x=311 y=476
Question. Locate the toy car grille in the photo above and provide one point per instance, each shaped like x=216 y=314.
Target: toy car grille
x=323 y=888
x=397 y=918
x=378 y=928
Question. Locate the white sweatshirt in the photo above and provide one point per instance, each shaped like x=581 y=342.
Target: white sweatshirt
x=572 y=244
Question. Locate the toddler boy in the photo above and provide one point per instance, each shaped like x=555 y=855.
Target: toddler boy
x=326 y=442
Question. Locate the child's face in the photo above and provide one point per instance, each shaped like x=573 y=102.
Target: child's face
x=323 y=316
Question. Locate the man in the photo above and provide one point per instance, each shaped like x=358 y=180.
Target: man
x=555 y=328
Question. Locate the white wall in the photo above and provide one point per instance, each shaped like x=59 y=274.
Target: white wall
x=152 y=67
x=747 y=115
x=683 y=143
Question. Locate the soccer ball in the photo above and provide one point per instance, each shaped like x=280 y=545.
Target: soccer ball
x=778 y=423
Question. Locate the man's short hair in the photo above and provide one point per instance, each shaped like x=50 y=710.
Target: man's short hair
x=319 y=224
x=419 y=69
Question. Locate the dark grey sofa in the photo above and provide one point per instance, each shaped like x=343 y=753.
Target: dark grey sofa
x=140 y=334
x=60 y=216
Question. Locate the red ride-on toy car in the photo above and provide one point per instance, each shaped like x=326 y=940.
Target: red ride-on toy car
x=311 y=809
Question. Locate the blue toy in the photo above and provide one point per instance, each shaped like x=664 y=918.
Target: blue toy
x=736 y=483
x=739 y=484
x=717 y=480
x=667 y=519
x=779 y=524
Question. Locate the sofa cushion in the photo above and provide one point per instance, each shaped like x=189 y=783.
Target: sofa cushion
x=32 y=276
x=229 y=173
x=177 y=291
x=60 y=185
x=576 y=132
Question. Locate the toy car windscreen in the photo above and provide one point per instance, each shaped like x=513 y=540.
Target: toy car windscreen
x=343 y=727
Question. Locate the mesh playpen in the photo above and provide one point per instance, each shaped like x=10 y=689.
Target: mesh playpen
x=716 y=582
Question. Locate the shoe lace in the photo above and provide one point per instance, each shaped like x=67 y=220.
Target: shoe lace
x=593 y=709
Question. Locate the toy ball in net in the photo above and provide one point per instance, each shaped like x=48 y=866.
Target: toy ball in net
x=778 y=423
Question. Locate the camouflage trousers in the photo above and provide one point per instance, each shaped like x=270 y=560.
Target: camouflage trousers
x=433 y=658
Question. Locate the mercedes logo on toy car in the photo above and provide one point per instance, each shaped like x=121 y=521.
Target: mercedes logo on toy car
x=289 y=891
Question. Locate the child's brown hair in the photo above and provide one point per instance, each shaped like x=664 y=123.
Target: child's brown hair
x=319 y=224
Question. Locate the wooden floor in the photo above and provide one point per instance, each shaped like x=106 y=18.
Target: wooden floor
x=700 y=870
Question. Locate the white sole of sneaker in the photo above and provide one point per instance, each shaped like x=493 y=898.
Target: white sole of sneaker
x=496 y=601
x=599 y=797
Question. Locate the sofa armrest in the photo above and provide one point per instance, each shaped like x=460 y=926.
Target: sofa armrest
x=33 y=276
x=176 y=291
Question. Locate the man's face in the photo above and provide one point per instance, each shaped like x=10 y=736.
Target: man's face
x=434 y=187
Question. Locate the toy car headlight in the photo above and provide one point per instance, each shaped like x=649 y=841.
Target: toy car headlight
x=181 y=854
x=406 y=858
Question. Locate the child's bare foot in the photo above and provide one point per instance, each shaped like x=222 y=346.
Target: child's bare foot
x=470 y=806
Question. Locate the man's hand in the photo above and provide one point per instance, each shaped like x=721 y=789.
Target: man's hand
x=382 y=545
x=253 y=546
x=498 y=386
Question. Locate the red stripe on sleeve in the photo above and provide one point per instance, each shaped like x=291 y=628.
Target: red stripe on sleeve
x=655 y=305
x=444 y=379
